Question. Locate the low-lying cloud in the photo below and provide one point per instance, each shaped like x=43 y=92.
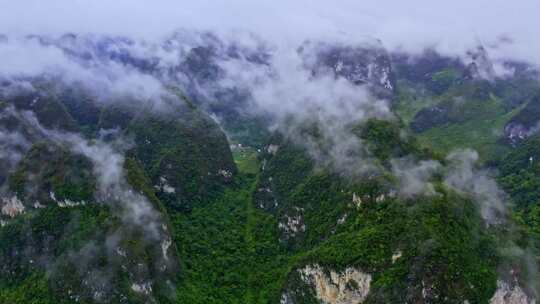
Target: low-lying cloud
x=318 y=111
x=415 y=177
x=508 y=28
x=464 y=177
x=134 y=210
x=460 y=173
x=24 y=58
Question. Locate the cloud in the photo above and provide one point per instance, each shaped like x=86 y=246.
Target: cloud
x=15 y=141
x=317 y=111
x=459 y=173
x=108 y=167
x=452 y=27
x=24 y=58
x=464 y=177
x=415 y=176
x=12 y=146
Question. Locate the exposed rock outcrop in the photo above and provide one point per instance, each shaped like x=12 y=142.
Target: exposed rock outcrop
x=12 y=206
x=508 y=294
x=292 y=224
x=350 y=286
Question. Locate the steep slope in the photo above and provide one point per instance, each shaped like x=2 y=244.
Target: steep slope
x=85 y=218
x=384 y=248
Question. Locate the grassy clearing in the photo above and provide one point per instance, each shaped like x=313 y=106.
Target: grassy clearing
x=246 y=159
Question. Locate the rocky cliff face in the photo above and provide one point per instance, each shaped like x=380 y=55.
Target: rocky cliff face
x=510 y=294
x=367 y=64
x=525 y=123
x=350 y=286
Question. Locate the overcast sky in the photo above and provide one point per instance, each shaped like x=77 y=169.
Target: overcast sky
x=450 y=25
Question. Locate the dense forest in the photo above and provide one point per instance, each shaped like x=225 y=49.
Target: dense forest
x=423 y=189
